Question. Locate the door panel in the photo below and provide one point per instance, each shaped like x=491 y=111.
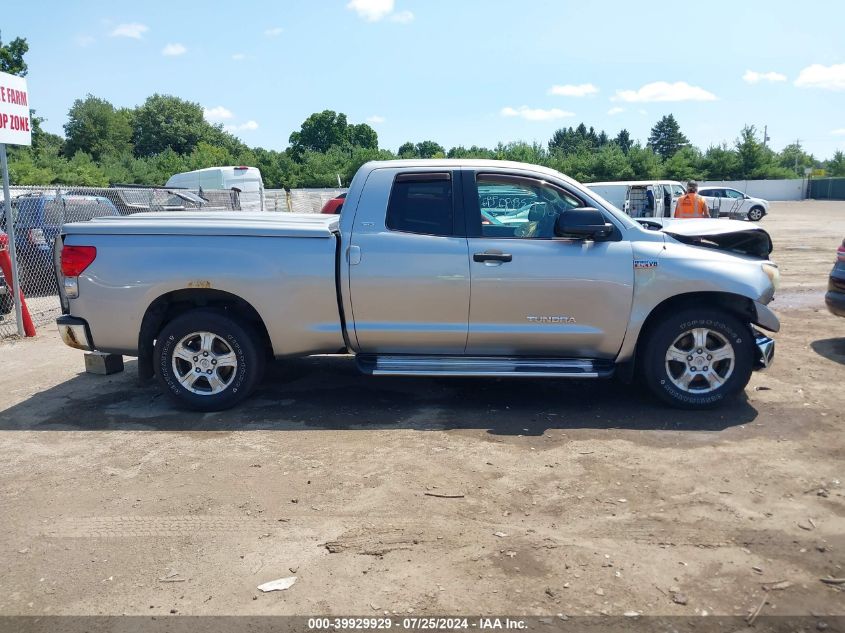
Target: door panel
x=553 y=298
x=409 y=291
x=534 y=294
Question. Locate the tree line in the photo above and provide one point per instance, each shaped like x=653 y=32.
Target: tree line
x=104 y=144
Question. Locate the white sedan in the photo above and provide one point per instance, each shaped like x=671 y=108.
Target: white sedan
x=734 y=204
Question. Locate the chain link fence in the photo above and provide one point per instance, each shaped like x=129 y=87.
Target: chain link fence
x=40 y=212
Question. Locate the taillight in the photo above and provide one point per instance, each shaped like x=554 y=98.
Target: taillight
x=76 y=259
x=840 y=252
x=36 y=237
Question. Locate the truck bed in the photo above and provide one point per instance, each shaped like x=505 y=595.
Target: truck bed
x=210 y=223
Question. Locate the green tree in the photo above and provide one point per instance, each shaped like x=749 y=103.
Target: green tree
x=683 y=165
x=644 y=162
x=666 y=137
x=168 y=122
x=623 y=140
x=836 y=165
x=96 y=127
x=751 y=153
x=720 y=163
x=423 y=149
x=611 y=163
x=407 y=150
x=319 y=132
x=11 y=57
x=429 y=149
x=794 y=158
x=362 y=135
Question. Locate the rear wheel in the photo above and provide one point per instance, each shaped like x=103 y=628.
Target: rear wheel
x=756 y=214
x=207 y=361
x=698 y=358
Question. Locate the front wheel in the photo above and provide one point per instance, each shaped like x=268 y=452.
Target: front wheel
x=756 y=214
x=207 y=361
x=698 y=358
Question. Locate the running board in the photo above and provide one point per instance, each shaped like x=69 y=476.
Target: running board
x=484 y=366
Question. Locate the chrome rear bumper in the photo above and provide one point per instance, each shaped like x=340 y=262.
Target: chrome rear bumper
x=75 y=333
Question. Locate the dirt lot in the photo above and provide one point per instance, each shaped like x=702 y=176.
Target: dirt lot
x=576 y=498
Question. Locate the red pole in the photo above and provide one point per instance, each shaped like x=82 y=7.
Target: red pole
x=6 y=267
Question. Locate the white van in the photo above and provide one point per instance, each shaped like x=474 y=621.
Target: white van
x=245 y=181
x=641 y=198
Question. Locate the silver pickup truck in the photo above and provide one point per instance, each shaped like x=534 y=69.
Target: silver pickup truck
x=434 y=268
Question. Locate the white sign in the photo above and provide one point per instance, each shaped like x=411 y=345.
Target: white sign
x=15 y=126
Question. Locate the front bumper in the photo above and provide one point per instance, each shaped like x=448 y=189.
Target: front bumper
x=75 y=333
x=765 y=350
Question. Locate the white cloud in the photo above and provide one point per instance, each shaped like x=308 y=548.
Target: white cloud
x=375 y=119
x=173 y=50
x=839 y=132
x=134 y=30
x=753 y=77
x=276 y=31
x=535 y=114
x=570 y=90
x=248 y=126
x=239 y=57
x=371 y=10
x=616 y=110
x=83 y=40
x=826 y=77
x=643 y=112
x=664 y=91
x=402 y=17
x=216 y=114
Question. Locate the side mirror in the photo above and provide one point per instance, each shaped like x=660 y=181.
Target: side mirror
x=584 y=222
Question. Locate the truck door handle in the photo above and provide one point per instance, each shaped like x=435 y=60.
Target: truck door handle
x=492 y=257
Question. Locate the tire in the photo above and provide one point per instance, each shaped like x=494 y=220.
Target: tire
x=755 y=214
x=229 y=360
x=675 y=340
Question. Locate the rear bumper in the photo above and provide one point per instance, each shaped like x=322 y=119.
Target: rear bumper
x=75 y=333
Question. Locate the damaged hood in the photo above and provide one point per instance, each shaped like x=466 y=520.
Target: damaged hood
x=733 y=236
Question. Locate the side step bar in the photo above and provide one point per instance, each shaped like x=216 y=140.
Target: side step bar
x=401 y=365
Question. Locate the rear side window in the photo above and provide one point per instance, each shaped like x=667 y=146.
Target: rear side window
x=422 y=203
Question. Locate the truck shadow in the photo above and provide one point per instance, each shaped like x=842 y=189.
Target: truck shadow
x=329 y=393
x=831 y=348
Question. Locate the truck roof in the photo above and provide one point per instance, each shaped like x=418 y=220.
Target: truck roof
x=457 y=163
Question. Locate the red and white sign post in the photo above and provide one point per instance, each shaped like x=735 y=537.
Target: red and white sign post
x=15 y=129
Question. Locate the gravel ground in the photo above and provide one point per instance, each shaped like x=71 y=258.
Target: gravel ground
x=577 y=498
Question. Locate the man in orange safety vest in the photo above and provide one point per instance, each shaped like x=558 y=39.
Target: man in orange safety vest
x=692 y=205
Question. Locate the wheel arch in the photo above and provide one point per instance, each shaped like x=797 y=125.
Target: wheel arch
x=175 y=303
x=738 y=305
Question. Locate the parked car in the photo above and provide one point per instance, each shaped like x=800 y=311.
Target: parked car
x=129 y=199
x=835 y=295
x=38 y=220
x=334 y=205
x=730 y=203
x=411 y=280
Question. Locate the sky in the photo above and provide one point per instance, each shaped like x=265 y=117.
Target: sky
x=459 y=72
